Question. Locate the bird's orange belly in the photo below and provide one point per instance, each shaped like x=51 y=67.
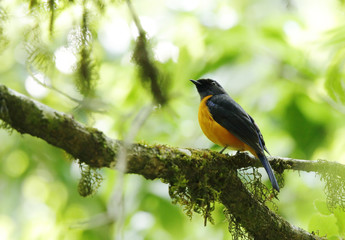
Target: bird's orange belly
x=215 y=132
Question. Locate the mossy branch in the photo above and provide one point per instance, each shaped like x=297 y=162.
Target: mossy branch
x=217 y=171
x=142 y=56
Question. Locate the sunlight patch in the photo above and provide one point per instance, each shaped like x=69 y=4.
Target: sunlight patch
x=164 y=51
x=115 y=36
x=33 y=86
x=65 y=60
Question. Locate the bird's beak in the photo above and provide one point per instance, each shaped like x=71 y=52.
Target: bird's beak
x=196 y=83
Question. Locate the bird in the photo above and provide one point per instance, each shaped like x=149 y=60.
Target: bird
x=227 y=124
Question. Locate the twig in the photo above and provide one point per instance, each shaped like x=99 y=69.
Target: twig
x=116 y=206
x=143 y=59
x=51 y=87
x=135 y=18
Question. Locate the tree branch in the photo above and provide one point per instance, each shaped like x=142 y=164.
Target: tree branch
x=142 y=57
x=92 y=147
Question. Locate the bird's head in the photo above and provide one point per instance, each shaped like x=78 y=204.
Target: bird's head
x=208 y=87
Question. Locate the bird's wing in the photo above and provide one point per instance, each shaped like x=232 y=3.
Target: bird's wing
x=232 y=117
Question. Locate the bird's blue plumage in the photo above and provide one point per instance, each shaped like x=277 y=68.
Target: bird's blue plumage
x=238 y=127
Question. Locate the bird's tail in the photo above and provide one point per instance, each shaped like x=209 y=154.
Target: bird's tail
x=269 y=170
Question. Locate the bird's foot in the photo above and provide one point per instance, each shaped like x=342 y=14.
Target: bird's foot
x=221 y=151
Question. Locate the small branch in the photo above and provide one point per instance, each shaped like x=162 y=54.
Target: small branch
x=135 y=18
x=311 y=166
x=46 y=85
x=116 y=205
x=92 y=147
x=142 y=57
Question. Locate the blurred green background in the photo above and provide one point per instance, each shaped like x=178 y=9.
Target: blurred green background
x=283 y=61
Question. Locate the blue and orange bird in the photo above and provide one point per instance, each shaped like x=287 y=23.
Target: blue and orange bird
x=226 y=124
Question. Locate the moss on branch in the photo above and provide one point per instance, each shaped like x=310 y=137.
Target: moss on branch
x=197 y=178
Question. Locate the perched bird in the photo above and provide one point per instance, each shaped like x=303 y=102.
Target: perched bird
x=225 y=123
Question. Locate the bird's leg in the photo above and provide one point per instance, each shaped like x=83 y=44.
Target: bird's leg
x=221 y=151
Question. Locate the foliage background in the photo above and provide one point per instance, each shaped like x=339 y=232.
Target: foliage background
x=281 y=60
